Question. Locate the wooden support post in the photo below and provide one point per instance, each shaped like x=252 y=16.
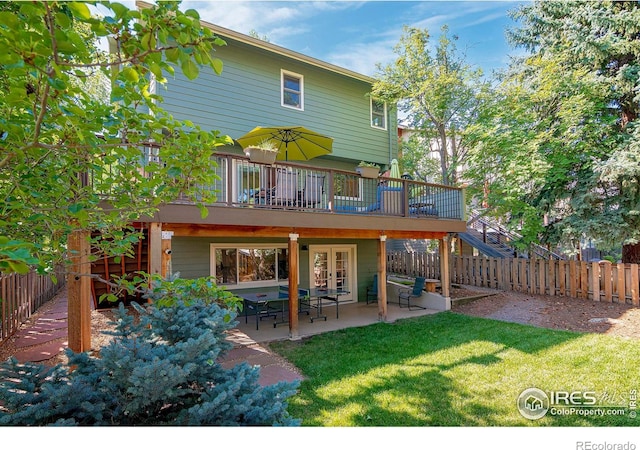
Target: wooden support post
x=445 y=279
x=293 y=286
x=382 y=278
x=79 y=291
x=165 y=262
x=155 y=249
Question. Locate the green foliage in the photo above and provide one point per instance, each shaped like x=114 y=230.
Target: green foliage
x=436 y=89
x=15 y=256
x=368 y=164
x=415 y=161
x=71 y=158
x=555 y=150
x=161 y=368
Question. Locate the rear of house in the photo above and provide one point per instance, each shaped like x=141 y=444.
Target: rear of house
x=329 y=227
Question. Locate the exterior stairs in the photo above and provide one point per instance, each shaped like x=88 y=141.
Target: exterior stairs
x=494 y=241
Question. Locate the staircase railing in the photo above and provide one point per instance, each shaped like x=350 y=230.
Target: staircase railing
x=482 y=224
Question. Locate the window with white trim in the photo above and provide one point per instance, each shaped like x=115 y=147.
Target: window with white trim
x=378 y=114
x=249 y=265
x=292 y=90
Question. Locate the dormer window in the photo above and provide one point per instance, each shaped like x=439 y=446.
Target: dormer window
x=292 y=90
x=378 y=114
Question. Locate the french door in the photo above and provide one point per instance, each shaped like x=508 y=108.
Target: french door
x=333 y=267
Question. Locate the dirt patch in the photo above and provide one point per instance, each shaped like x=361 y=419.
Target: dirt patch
x=560 y=313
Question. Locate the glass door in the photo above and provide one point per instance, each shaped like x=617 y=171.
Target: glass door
x=333 y=267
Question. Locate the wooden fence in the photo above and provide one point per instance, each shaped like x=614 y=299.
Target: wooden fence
x=597 y=281
x=21 y=295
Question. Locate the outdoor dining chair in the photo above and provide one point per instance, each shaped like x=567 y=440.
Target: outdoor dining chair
x=372 y=291
x=286 y=191
x=412 y=293
x=313 y=190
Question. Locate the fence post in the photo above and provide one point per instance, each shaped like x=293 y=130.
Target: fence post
x=635 y=299
x=622 y=291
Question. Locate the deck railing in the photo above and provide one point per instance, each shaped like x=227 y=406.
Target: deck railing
x=292 y=186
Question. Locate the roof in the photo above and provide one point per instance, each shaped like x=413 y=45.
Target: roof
x=268 y=46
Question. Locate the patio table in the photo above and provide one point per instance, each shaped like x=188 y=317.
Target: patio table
x=319 y=294
x=266 y=303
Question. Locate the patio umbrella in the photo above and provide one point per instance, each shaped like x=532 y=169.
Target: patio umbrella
x=295 y=143
x=394 y=173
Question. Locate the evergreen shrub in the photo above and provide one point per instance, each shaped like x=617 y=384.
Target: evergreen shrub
x=161 y=368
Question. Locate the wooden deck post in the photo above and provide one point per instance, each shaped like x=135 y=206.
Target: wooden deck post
x=382 y=278
x=445 y=279
x=293 y=286
x=79 y=291
x=165 y=265
x=155 y=248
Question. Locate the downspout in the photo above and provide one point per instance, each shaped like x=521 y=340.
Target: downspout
x=390 y=135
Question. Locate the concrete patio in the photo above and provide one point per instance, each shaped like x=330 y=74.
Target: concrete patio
x=350 y=315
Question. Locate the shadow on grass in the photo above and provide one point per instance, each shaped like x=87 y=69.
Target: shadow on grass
x=443 y=370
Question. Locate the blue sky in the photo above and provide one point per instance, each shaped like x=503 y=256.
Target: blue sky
x=359 y=35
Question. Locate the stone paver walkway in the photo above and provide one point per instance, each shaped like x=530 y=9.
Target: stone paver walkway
x=45 y=337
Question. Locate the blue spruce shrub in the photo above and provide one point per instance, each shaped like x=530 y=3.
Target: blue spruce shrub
x=161 y=368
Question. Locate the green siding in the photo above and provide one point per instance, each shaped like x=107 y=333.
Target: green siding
x=191 y=257
x=247 y=94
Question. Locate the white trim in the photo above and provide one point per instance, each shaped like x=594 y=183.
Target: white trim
x=353 y=265
x=284 y=73
x=384 y=115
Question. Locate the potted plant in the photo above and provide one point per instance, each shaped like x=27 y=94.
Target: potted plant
x=368 y=170
x=264 y=152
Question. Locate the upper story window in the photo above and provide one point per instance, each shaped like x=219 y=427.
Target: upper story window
x=292 y=90
x=378 y=114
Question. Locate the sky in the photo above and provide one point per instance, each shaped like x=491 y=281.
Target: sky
x=362 y=35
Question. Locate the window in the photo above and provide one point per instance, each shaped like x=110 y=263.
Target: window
x=378 y=114
x=292 y=90
x=250 y=265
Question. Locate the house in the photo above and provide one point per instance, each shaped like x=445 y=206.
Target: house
x=328 y=226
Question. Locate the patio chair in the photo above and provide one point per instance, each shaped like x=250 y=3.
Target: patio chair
x=372 y=291
x=286 y=191
x=313 y=190
x=411 y=293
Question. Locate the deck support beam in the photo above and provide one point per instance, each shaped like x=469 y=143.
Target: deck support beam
x=293 y=286
x=382 y=278
x=79 y=292
x=445 y=276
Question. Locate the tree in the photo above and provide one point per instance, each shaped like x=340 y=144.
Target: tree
x=436 y=90
x=555 y=146
x=64 y=150
x=71 y=163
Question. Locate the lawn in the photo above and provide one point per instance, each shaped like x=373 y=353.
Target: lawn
x=453 y=370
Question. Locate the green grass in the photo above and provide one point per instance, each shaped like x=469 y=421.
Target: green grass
x=452 y=370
